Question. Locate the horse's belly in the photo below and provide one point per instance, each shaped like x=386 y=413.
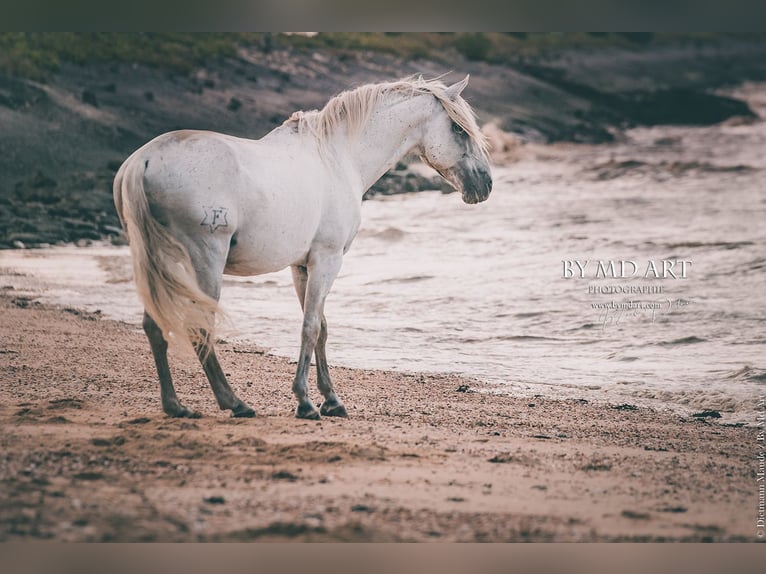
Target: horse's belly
x=258 y=253
x=259 y=266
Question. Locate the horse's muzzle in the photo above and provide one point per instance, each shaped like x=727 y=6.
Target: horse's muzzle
x=476 y=184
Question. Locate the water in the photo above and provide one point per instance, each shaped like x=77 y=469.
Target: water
x=434 y=285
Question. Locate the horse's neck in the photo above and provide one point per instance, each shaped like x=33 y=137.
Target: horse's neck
x=389 y=134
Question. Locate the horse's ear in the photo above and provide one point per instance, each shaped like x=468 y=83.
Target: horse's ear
x=454 y=90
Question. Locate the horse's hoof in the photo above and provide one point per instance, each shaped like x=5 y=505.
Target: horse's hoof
x=243 y=411
x=180 y=412
x=334 y=409
x=307 y=411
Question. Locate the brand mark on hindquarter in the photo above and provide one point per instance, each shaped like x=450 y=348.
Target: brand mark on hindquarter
x=215 y=217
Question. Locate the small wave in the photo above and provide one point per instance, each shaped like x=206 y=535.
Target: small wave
x=748 y=373
x=683 y=341
x=703 y=244
x=709 y=399
x=523 y=338
x=411 y=279
x=520 y=338
x=614 y=169
x=757 y=264
x=582 y=219
x=761 y=341
x=388 y=234
x=527 y=314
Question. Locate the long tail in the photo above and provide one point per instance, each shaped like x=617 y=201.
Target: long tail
x=162 y=269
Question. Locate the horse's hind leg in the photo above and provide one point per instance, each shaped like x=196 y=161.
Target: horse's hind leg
x=210 y=276
x=332 y=405
x=215 y=375
x=170 y=403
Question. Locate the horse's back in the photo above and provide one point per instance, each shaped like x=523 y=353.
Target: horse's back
x=211 y=186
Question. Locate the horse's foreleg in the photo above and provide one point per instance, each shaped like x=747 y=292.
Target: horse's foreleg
x=319 y=278
x=170 y=403
x=332 y=405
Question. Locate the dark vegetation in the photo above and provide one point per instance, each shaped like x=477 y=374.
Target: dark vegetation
x=73 y=106
x=38 y=55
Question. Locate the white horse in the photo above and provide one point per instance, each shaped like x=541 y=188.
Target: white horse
x=198 y=204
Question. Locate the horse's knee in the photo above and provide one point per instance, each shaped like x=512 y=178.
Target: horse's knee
x=311 y=329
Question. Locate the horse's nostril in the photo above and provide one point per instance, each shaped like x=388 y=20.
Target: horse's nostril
x=487 y=177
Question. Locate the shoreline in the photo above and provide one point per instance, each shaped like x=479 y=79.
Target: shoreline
x=49 y=281
x=89 y=456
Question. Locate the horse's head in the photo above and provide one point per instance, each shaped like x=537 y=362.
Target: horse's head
x=454 y=146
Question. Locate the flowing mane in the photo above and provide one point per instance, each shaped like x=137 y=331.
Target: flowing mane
x=352 y=108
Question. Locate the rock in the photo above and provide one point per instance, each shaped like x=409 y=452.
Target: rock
x=399 y=181
x=111 y=230
x=78 y=224
x=28 y=239
x=625 y=407
x=633 y=515
x=707 y=414
x=18 y=244
x=682 y=106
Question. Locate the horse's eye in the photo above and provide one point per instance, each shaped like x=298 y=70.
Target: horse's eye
x=456 y=129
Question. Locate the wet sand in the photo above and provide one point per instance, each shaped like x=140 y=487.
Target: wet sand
x=87 y=455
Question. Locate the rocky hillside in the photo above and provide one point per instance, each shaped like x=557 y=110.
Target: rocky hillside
x=66 y=127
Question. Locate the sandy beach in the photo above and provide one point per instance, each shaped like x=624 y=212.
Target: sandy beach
x=87 y=454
